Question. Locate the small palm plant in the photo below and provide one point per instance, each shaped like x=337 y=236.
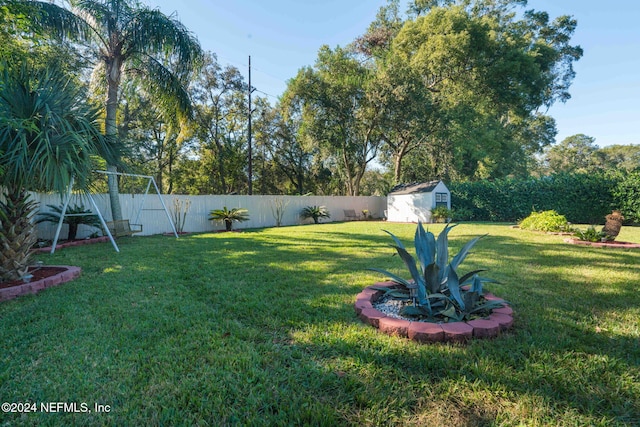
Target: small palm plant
x=436 y=292
x=229 y=216
x=315 y=212
x=74 y=216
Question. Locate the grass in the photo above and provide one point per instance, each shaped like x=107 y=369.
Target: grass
x=258 y=328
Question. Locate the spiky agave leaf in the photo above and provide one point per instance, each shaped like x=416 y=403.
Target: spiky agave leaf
x=460 y=256
x=453 y=284
x=465 y=278
x=442 y=251
x=395 y=239
x=395 y=278
x=432 y=278
x=410 y=262
x=425 y=244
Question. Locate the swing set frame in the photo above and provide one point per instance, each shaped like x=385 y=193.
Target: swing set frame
x=105 y=228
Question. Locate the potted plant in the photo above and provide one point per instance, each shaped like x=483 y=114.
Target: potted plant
x=441 y=214
x=229 y=216
x=613 y=225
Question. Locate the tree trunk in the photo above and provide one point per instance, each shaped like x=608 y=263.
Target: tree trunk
x=17 y=234
x=111 y=132
x=73 y=231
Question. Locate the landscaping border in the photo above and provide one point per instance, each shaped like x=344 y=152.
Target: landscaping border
x=34 y=287
x=500 y=320
x=616 y=244
x=79 y=242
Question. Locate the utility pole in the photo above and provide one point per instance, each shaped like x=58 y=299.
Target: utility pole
x=251 y=89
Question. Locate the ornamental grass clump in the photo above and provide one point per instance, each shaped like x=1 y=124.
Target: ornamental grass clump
x=436 y=292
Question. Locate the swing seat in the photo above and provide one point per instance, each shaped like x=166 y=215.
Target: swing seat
x=120 y=228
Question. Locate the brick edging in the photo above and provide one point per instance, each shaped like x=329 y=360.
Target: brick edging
x=81 y=242
x=500 y=320
x=34 y=287
x=615 y=244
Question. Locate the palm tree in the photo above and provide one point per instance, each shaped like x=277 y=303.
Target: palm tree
x=74 y=217
x=132 y=41
x=228 y=216
x=47 y=136
x=315 y=212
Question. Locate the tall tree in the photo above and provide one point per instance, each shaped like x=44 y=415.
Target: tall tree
x=488 y=71
x=338 y=113
x=220 y=117
x=576 y=153
x=130 y=41
x=287 y=145
x=152 y=137
x=622 y=157
x=48 y=135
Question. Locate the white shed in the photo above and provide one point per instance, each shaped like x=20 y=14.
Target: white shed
x=413 y=202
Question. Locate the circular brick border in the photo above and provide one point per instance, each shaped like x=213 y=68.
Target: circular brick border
x=500 y=320
x=619 y=245
x=36 y=286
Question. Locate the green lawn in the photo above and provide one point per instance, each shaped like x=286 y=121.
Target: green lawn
x=258 y=328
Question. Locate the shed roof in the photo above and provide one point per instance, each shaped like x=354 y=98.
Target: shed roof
x=416 y=187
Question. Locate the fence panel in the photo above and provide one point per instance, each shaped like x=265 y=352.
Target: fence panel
x=261 y=210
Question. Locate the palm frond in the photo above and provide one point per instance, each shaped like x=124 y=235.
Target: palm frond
x=49 y=18
x=152 y=33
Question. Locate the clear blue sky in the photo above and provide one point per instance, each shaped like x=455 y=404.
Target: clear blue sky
x=283 y=36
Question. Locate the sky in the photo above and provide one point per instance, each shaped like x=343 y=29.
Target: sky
x=282 y=36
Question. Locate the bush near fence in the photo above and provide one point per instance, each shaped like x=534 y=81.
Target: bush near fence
x=581 y=198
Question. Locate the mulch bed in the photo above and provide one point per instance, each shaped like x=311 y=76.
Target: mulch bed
x=43 y=277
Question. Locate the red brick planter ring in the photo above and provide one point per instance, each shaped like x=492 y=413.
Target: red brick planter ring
x=614 y=244
x=500 y=320
x=68 y=274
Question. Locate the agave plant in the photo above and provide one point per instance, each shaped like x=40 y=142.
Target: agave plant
x=436 y=290
x=315 y=212
x=229 y=216
x=74 y=216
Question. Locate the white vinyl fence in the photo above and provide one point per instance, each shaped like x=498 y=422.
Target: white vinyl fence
x=261 y=210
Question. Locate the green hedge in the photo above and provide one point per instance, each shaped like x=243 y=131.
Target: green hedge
x=581 y=198
x=627 y=195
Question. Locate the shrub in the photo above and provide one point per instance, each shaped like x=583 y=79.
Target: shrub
x=582 y=198
x=549 y=221
x=315 y=212
x=591 y=235
x=179 y=213
x=441 y=214
x=436 y=290
x=627 y=196
x=229 y=216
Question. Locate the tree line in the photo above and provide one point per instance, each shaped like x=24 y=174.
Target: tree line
x=449 y=89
